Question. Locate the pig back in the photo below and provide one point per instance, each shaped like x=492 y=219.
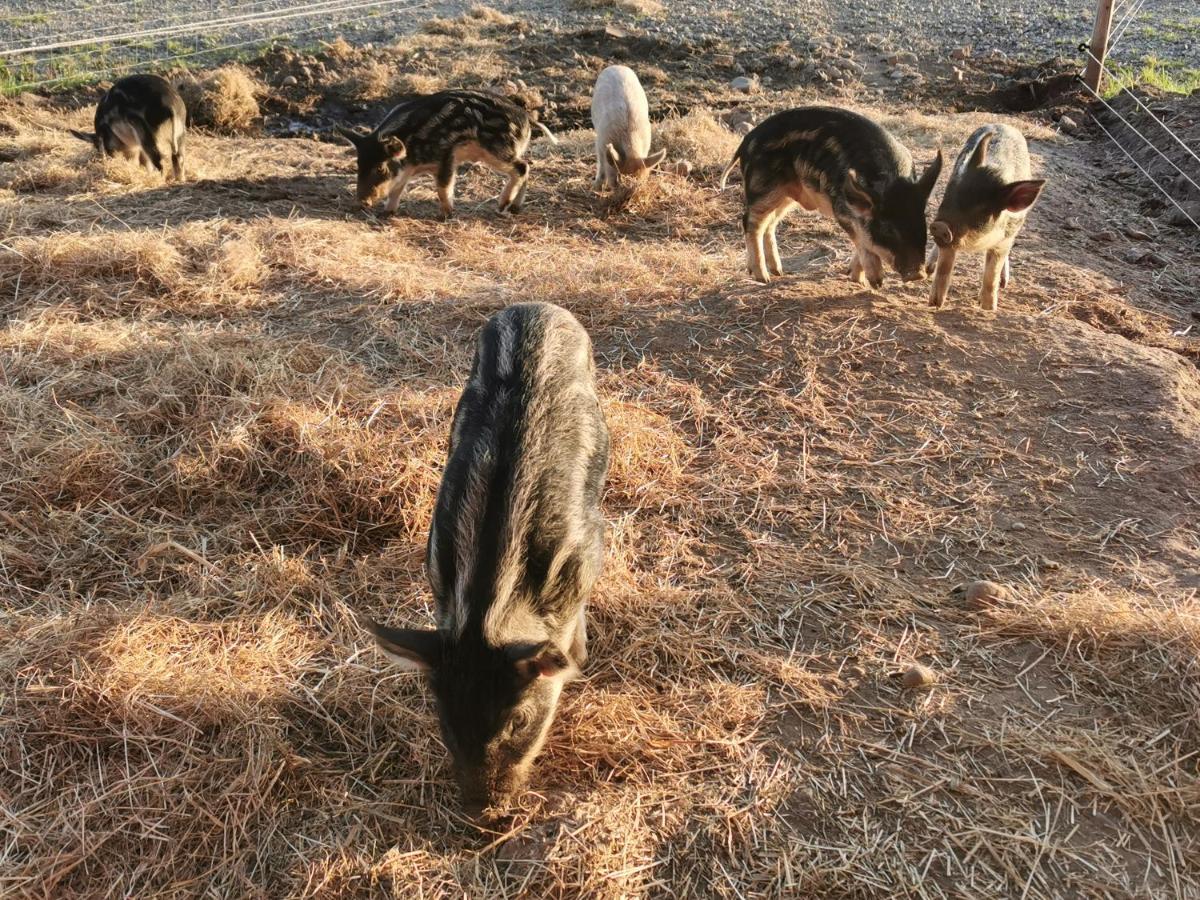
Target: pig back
x=517 y=521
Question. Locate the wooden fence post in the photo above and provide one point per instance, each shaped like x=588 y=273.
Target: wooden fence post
x=1100 y=31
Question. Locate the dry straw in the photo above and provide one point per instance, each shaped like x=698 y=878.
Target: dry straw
x=224 y=408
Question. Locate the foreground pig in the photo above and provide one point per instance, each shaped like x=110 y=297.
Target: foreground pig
x=849 y=169
x=514 y=549
x=142 y=118
x=621 y=119
x=435 y=134
x=989 y=195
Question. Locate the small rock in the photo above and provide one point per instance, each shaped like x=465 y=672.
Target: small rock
x=957 y=73
x=997 y=53
x=724 y=60
x=1104 y=237
x=982 y=594
x=1068 y=125
x=683 y=168
x=896 y=75
x=1136 y=234
x=289 y=81
x=960 y=53
x=736 y=117
x=743 y=128
x=745 y=84
x=1072 y=224
x=904 y=57
x=1154 y=260
x=918 y=676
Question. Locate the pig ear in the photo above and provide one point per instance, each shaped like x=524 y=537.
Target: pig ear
x=655 y=158
x=393 y=146
x=412 y=649
x=979 y=157
x=542 y=660
x=858 y=194
x=1020 y=195
x=930 y=176
x=613 y=157
x=89 y=136
x=349 y=134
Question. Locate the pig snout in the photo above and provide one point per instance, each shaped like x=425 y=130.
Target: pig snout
x=943 y=235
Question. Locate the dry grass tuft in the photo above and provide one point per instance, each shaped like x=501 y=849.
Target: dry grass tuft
x=699 y=138
x=650 y=8
x=225 y=100
x=340 y=49
x=489 y=16
x=373 y=80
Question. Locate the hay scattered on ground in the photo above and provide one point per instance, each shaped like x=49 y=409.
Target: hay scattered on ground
x=698 y=138
x=225 y=100
x=225 y=405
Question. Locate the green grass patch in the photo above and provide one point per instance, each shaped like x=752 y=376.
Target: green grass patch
x=1171 y=76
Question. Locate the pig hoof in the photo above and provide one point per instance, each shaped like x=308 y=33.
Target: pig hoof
x=875 y=283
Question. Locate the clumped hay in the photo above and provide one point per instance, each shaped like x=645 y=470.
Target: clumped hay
x=699 y=138
x=650 y=8
x=373 y=80
x=225 y=99
x=340 y=49
x=489 y=16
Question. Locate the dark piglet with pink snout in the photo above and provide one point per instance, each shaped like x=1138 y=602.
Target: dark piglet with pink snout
x=847 y=168
x=984 y=208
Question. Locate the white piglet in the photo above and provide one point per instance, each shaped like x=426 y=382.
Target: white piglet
x=621 y=118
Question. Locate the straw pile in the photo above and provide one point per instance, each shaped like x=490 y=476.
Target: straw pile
x=225 y=408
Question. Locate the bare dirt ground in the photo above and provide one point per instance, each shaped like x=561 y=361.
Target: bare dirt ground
x=225 y=407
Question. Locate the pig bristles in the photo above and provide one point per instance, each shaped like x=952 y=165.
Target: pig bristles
x=223 y=433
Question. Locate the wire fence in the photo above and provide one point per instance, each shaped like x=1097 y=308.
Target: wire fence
x=1155 y=138
x=152 y=36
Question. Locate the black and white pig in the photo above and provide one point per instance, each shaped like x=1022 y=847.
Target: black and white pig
x=435 y=134
x=845 y=167
x=142 y=118
x=986 y=202
x=515 y=547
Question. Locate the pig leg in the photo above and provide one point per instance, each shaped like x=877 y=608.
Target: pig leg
x=446 y=176
x=754 y=227
x=512 y=198
x=177 y=172
x=600 y=173
x=1006 y=273
x=944 y=257
x=774 y=266
x=931 y=260
x=757 y=221
x=866 y=268
x=993 y=267
x=399 y=184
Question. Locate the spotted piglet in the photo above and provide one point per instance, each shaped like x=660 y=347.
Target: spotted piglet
x=986 y=202
x=435 y=134
x=847 y=168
